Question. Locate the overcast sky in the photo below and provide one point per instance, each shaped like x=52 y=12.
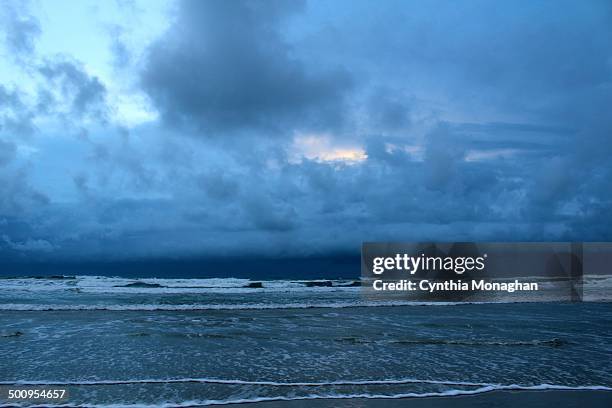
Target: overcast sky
x=135 y=129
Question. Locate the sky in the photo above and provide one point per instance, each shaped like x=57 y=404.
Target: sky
x=177 y=129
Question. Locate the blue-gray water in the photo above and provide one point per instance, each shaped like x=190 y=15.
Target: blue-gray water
x=192 y=341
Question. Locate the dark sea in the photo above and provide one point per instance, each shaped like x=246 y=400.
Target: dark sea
x=184 y=342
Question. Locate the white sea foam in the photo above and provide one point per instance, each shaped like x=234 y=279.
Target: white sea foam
x=103 y=284
x=447 y=393
x=110 y=285
x=213 y=380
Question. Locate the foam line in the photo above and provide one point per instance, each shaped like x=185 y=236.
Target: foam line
x=448 y=393
x=299 y=384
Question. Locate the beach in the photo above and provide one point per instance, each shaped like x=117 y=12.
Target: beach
x=189 y=342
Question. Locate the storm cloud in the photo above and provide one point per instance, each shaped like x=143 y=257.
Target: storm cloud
x=303 y=128
x=226 y=66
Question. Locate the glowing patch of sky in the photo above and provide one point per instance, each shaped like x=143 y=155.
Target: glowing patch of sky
x=323 y=147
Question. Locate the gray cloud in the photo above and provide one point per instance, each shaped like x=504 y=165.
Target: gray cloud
x=388 y=111
x=36 y=245
x=483 y=122
x=122 y=57
x=7 y=152
x=20 y=29
x=226 y=66
x=85 y=94
x=17 y=197
x=16 y=117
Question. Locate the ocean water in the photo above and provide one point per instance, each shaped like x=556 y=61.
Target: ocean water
x=182 y=342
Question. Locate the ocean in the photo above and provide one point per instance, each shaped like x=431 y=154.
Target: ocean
x=185 y=342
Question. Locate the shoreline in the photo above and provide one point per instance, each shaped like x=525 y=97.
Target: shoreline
x=500 y=399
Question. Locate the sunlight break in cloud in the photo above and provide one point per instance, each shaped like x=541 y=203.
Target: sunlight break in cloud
x=322 y=148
